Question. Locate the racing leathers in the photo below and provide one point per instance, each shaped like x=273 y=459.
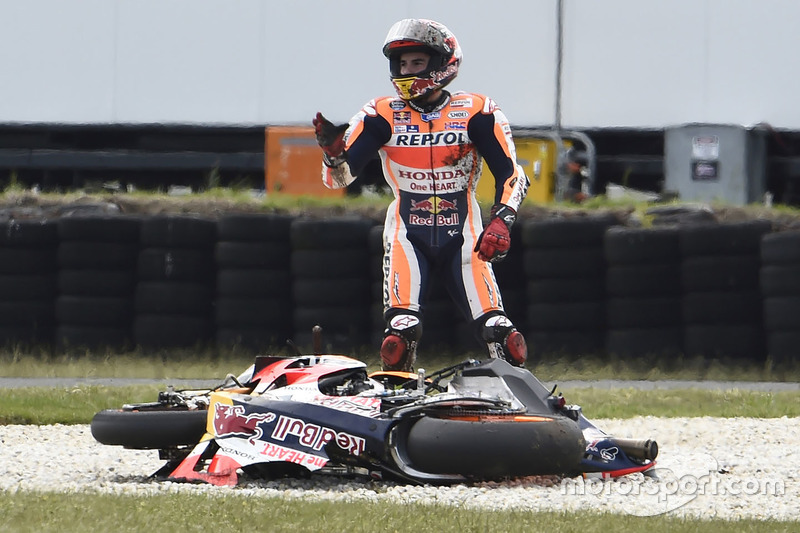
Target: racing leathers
x=431 y=159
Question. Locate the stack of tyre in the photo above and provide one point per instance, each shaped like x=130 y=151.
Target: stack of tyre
x=176 y=280
x=331 y=281
x=644 y=306
x=512 y=280
x=721 y=297
x=254 y=291
x=27 y=281
x=375 y=251
x=565 y=268
x=96 y=279
x=780 y=289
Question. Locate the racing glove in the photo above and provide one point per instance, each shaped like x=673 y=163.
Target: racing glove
x=494 y=242
x=331 y=140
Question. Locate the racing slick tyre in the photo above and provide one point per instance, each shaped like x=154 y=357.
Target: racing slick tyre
x=83 y=255
x=102 y=228
x=178 y=231
x=572 y=232
x=627 y=246
x=28 y=233
x=330 y=233
x=256 y=228
x=720 y=273
x=149 y=430
x=780 y=280
x=27 y=261
x=781 y=248
x=736 y=238
x=487 y=447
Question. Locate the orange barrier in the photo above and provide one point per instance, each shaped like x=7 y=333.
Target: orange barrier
x=293 y=162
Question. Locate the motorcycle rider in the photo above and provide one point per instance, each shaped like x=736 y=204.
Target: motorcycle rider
x=431 y=143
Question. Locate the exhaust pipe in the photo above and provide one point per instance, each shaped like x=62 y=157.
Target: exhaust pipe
x=645 y=450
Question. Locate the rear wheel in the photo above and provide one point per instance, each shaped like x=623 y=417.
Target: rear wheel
x=149 y=430
x=495 y=447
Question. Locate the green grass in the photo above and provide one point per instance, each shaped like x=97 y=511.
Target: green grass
x=78 y=404
x=213 y=364
x=211 y=201
x=651 y=368
x=173 y=364
x=40 y=405
x=35 y=512
x=215 y=200
x=625 y=403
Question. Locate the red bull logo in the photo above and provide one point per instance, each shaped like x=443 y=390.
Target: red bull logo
x=446 y=205
x=423 y=205
x=435 y=220
x=315 y=436
x=434 y=205
x=402 y=117
x=231 y=421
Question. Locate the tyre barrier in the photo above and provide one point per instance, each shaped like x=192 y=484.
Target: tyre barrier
x=779 y=284
x=643 y=289
x=331 y=281
x=564 y=267
x=253 y=293
x=176 y=275
x=375 y=252
x=720 y=279
x=28 y=270
x=96 y=280
x=583 y=284
x=510 y=276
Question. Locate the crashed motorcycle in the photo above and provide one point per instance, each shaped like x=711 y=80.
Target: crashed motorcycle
x=297 y=415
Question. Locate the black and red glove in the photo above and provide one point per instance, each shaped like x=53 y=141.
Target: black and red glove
x=331 y=139
x=494 y=242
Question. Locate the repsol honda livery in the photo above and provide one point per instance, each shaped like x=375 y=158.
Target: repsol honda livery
x=431 y=146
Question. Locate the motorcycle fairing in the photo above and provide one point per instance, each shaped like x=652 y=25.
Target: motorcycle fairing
x=243 y=430
x=270 y=372
x=605 y=458
x=326 y=412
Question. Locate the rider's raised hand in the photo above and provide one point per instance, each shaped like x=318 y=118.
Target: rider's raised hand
x=329 y=136
x=495 y=241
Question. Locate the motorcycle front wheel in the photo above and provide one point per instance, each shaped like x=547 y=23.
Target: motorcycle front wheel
x=149 y=430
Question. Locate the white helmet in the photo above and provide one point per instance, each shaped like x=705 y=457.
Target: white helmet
x=421 y=35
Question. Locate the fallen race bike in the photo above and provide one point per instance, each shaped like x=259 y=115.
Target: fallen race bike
x=290 y=416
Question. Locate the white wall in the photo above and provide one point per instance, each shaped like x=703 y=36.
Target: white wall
x=652 y=63
x=633 y=63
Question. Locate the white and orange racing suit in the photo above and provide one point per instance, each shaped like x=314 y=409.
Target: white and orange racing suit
x=432 y=163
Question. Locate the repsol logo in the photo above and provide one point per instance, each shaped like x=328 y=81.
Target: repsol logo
x=431 y=139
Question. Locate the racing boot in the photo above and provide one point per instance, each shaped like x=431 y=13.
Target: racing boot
x=503 y=339
x=399 y=346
